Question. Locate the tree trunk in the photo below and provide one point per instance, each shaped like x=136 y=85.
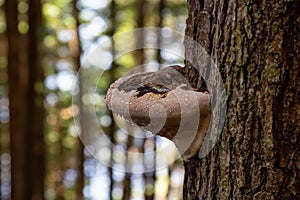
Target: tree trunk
x=80 y=151
x=256 y=45
x=35 y=132
x=25 y=103
x=16 y=111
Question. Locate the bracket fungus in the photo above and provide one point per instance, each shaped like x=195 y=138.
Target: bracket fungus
x=165 y=104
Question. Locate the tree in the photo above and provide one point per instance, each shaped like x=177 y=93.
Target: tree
x=256 y=45
x=26 y=103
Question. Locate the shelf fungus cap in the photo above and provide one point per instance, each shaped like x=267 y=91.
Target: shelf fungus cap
x=181 y=115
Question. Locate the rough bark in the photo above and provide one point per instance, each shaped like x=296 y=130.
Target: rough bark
x=256 y=45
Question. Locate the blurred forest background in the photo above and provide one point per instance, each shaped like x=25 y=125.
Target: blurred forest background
x=42 y=44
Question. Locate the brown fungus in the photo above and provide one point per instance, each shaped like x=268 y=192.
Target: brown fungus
x=163 y=103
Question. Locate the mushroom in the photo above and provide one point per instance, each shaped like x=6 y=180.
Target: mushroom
x=165 y=104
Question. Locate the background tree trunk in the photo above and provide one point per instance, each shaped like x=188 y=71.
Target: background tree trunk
x=35 y=132
x=80 y=152
x=257 y=47
x=17 y=90
x=25 y=103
